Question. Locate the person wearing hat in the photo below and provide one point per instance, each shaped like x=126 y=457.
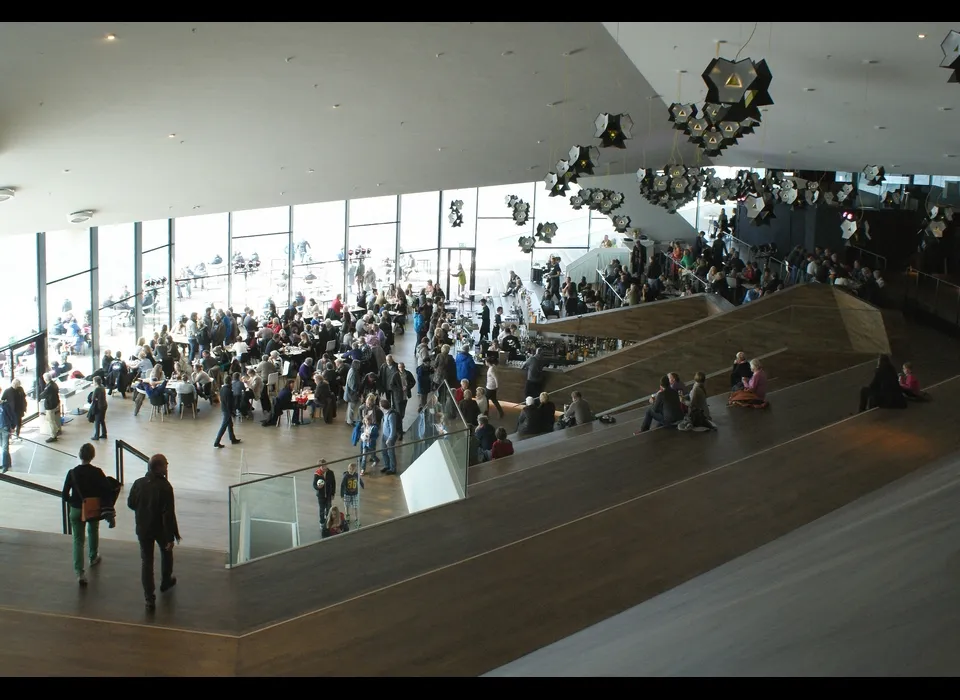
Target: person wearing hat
x=529 y=420
x=51 y=405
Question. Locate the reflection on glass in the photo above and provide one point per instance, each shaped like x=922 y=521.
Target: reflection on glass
x=419 y=268
x=68 y=252
x=18 y=287
x=20 y=362
x=201 y=263
x=419 y=221
x=115 y=250
x=260 y=271
x=373 y=210
x=374 y=250
x=156 y=291
x=321 y=282
x=68 y=312
x=462 y=236
x=319 y=231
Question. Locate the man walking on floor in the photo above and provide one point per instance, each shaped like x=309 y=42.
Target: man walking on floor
x=227 y=410
x=151 y=500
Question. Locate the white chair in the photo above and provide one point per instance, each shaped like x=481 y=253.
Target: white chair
x=273 y=379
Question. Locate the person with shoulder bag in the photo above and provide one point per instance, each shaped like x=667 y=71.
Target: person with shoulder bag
x=83 y=490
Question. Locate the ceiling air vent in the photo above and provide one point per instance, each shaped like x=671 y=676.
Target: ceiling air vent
x=80 y=217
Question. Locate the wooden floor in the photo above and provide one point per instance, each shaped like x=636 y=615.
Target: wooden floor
x=241 y=620
x=483 y=581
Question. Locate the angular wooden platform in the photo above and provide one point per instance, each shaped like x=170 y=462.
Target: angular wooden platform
x=523 y=562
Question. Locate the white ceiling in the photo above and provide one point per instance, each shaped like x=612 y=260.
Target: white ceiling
x=904 y=91
x=250 y=124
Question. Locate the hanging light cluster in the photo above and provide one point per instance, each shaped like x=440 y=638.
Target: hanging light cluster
x=736 y=90
x=521 y=210
x=873 y=174
x=937 y=221
x=951 y=55
x=671 y=187
x=455 y=217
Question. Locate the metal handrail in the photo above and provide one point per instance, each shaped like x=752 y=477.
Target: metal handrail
x=876 y=255
x=22 y=483
x=684 y=272
x=47 y=447
x=610 y=286
x=121 y=447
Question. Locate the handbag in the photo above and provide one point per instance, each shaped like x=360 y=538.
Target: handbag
x=90 y=508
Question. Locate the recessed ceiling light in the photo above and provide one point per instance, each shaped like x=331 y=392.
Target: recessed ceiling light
x=310 y=171
x=809 y=89
x=945 y=109
x=439 y=148
x=895 y=165
x=289 y=58
x=379 y=184
x=507 y=53
x=282 y=193
x=533 y=167
x=336 y=106
x=949 y=155
x=196 y=206
x=791 y=153
x=870 y=62
x=171 y=136
x=80 y=217
x=879 y=128
x=539 y=141
x=439 y=54
x=7 y=193
x=110 y=37
x=828 y=141
x=921 y=36
x=66 y=170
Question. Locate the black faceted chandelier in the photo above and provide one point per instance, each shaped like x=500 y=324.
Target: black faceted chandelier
x=736 y=90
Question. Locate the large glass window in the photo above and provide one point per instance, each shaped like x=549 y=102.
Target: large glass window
x=69 y=317
x=68 y=252
x=201 y=263
x=373 y=210
x=153 y=234
x=260 y=271
x=319 y=231
x=253 y=222
x=18 y=287
x=319 y=240
x=419 y=221
x=492 y=201
x=464 y=236
x=499 y=252
x=115 y=251
x=573 y=226
x=156 y=290
x=376 y=246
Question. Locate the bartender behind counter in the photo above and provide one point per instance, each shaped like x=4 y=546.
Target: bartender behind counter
x=511 y=345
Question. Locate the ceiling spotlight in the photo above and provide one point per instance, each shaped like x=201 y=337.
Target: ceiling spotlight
x=171 y=136
x=7 y=193
x=110 y=37
x=336 y=106
x=79 y=217
x=66 y=170
x=310 y=171
x=921 y=36
x=809 y=89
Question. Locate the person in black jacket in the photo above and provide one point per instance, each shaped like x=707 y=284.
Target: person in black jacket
x=666 y=408
x=284 y=402
x=50 y=396
x=741 y=371
x=84 y=481
x=484 y=320
x=485 y=435
x=325 y=484
x=98 y=405
x=227 y=409
x=151 y=499
x=884 y=391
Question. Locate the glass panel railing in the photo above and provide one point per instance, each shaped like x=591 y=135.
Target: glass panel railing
x=41 y=464
x=27 y=505
x=456 y=424
x=278 y=513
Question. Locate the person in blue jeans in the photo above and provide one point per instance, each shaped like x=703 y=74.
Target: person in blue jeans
x=390 y=432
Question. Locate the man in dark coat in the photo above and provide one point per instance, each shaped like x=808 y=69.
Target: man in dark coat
x=151 y=499
x=227 y=409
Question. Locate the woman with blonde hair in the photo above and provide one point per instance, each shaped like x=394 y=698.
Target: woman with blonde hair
x=335 y=524
x=754 y=392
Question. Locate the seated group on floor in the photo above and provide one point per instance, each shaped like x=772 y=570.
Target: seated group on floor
x=673 y=407
x=890 y=389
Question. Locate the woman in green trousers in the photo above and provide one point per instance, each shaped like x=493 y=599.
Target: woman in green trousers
x=84 y=481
